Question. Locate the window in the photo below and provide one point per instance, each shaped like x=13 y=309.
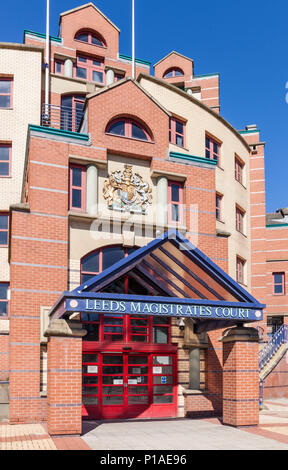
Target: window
x=5 y=159
x=212 y=149
x=71 y=112
x=58 y=66
x=240 y=268
x=177 y=132
x=4 y=227
x=279 y=283
x=77 y=188
x=118 y=76
x=175 y=202
x=128 y=128
x=90 y=38
x=89 y=68
x=240 y=214
x=239 y=167
x=219 y=198
x=174 y=72
x=6 y=88
x=4 y=303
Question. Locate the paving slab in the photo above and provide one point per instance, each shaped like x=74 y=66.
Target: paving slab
x=177 y=434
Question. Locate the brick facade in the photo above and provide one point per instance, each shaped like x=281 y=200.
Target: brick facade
x=45 y=261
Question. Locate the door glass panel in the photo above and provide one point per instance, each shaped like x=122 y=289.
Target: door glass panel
x=90 y=400
x=112 y=370
x=90 y=379
x=138 y=360
x=163 y=399
x=137 y=370
x=141 y=400
x=112 y=359
x=90 y=390
x=160 y=379
x=161 y=389
x=117 y=400
x=112 y=390
x=90 y=358
x=112 y=380
x=137 y=390
x=165 y=360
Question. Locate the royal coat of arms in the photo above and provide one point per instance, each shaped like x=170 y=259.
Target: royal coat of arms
x=126 y=191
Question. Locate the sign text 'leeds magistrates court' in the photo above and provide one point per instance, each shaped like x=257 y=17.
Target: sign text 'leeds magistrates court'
x=158 y=308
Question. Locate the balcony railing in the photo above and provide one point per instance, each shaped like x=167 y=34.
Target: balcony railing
x=61 y=117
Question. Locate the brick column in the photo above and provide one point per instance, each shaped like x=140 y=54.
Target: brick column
x=64 y=380
x=240 y=377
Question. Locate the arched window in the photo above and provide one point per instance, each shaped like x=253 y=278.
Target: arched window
x=90 y=37
x=128 y=128
x=173 y=72
x=116 y=326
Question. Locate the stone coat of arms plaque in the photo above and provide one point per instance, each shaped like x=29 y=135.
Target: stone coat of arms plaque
x=127 y=191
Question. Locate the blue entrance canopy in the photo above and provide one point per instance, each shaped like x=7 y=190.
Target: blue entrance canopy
x=180 y=281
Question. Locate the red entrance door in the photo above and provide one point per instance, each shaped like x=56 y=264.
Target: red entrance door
x=129 y=385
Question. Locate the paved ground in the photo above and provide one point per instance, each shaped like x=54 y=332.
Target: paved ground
x=186 y=434
x=35 y=437
x=172 y=434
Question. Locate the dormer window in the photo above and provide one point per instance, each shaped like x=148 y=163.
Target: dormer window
x=173 y=72
x=128 y=128
x=90 y=38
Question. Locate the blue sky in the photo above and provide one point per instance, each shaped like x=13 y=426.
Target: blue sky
x=245 y=42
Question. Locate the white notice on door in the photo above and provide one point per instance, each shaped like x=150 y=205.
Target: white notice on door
x=92 y=370
x=157 y=370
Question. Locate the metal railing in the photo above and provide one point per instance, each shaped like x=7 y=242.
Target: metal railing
x=268 y=352
x=61 y=117
x=279 y=338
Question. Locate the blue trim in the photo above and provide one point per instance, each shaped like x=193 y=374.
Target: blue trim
x=60 y=132
x=249 y=132
x=193 y=158
x=138 y=61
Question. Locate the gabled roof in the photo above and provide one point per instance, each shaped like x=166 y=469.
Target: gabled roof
x=166 y=257
x=90 y=4
x=172 y=272
x=173 y=52
x=122 y=82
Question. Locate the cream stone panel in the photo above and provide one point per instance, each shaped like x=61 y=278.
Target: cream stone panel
x=200 y=121
x=4 y=265
x=141 y=167
x=26 y=109
x=64 y=85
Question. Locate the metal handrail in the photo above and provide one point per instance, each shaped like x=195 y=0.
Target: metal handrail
x=61 y=117
x=279 y=338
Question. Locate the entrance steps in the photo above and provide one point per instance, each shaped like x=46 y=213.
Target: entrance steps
x=273 y=352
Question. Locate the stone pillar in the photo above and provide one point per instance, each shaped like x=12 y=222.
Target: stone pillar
x=64 y=379
x=240 y=377
x=109 y=77
x=162 y=201
x=68 y=68
x=92 y=190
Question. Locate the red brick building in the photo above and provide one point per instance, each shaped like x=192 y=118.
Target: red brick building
x=114 y=165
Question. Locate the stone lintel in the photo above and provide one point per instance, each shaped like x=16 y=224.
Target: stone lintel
x=64 y=328
x=240 y=333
